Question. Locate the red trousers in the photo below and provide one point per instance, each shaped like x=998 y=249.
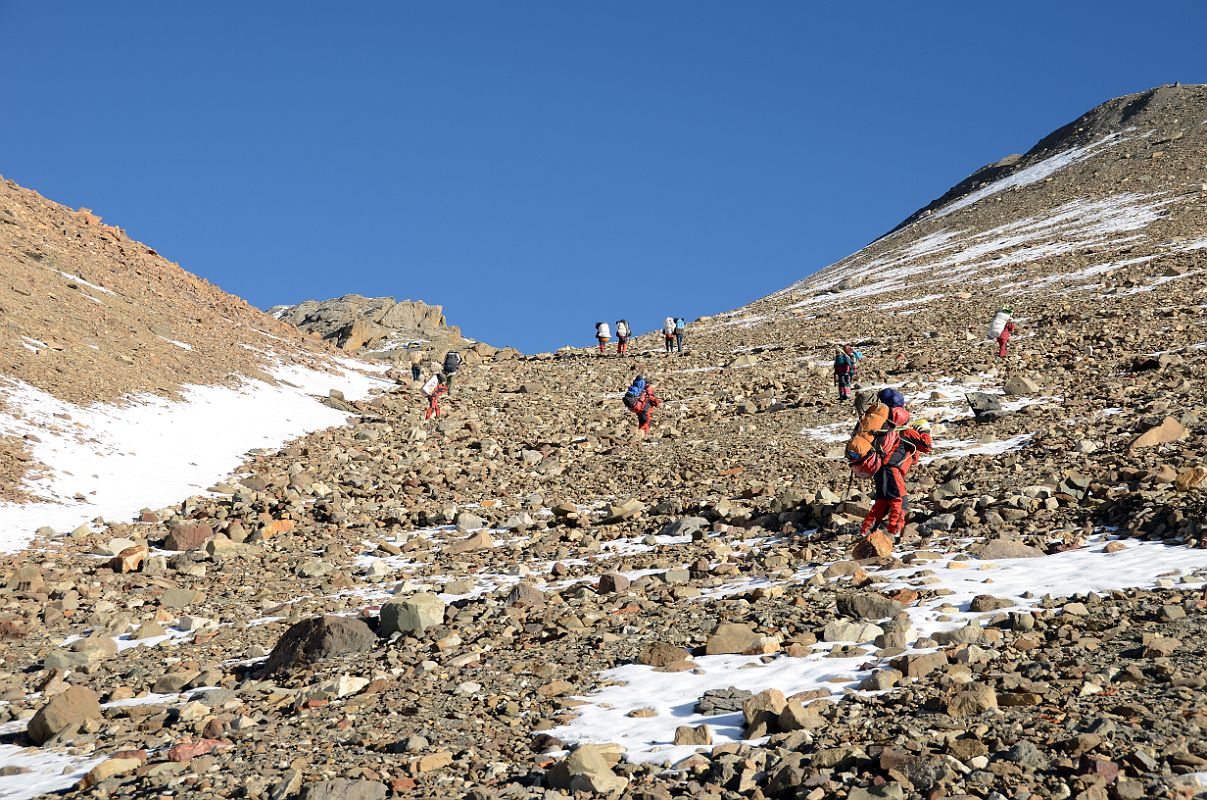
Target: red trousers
x=895 y=512
x=433 y=409
x=1001 y=343
x=622 y=345
x=602 y=343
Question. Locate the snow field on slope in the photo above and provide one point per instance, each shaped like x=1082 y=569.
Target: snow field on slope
x=1032 y=174
x=111 y=460
x=604 y=719
x=950 y=256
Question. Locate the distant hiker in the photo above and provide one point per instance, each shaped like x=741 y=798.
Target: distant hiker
x=452 y=363
x=668 y=330
x=1003 y=338
x=416 y=361
x=680 y=327
x=1001 y=329
x=846 y=363
x=641 y=400
x=435 y=387
x=602 y=334
x=622 y=336
x=900 y=451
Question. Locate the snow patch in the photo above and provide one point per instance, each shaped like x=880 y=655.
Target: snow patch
x=112 y=460
x=1032 y=174
x=673 y=696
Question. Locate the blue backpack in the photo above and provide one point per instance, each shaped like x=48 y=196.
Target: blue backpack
x=680 y=324
x=634 y=392
x=891 y=398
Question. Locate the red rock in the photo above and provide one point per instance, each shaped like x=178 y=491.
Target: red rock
x=129 y=560
x=874 y=545
x=187 y=751
x=903 y=596
x=277 y=526
x=1100 y=766
x=188 y=536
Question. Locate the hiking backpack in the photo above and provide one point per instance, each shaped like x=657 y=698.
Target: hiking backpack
x=999 y=323
x=634 y=393
x=430 y=386
x=842 y=363
x=875 y=438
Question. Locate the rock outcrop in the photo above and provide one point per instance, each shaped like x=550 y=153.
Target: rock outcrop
x=380 y=324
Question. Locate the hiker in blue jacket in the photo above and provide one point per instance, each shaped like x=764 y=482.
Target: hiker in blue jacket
x=846 y=364
x=680 y=327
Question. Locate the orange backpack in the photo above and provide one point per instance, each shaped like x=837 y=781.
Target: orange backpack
x=864 y=453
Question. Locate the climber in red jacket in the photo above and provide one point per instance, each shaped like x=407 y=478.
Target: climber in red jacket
x=901 y=450
x=433 y=395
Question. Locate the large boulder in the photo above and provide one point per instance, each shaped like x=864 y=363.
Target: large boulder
x=316 y=639
x=359 y=333
x=734 y=637
x=64 y=712
x=1170 y=430
x=867 y=605
x=585 y=770
x=344 y=789
x=1005 y=548
x=413 y=614
x=188 y=536
x=985 y=407
x=1018 y=385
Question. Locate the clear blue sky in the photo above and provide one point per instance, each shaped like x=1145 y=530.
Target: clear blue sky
x=537 y=166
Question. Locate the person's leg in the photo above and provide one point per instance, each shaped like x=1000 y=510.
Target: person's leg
x=679 y=341
x=879 y=509
x=896 y=518
x=414 y=372
x=643 y=417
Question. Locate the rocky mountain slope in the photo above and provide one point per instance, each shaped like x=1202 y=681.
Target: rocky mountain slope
x=376 y=327
x=101 y=337
x=526 y=599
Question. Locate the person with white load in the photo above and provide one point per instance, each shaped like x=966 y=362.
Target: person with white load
x=668 y=331
x=602 y=335
x=1001 y=329
x=623 y=333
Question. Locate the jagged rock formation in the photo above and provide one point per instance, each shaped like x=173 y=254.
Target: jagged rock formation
x=1002 y=649
x=377 y=324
